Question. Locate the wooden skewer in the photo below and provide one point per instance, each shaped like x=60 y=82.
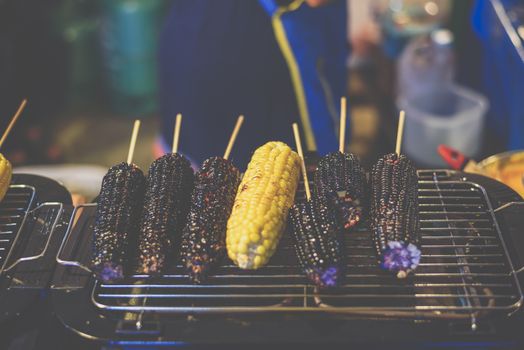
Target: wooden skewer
x=233 y=137
x=400 y=131
x=302 y=162
x=132 y=144
x=13 y=121
x=342 y=132
x=176 y=133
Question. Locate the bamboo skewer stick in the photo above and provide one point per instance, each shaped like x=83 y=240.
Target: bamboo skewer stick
x=233 y=137
x=132 y=144
x=13 y=121
x=176 y=133
x=400 y=132
x=302 y=162
x=342 y=131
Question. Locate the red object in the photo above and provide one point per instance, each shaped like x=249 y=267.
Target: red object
x=454 y=158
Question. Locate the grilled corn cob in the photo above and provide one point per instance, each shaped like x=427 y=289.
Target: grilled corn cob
x=117 y=218
x=316 y=238
x=166 y=204
x=340 y=183
x=5 y=176
x=204 y=237
x=261 y=205
x=394 y=209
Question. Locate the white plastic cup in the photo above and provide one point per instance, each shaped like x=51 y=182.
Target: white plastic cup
x=455 y=117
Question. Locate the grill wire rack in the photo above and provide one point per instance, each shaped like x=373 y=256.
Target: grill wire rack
x=13 y=213
x=465 y=271
x=21 y=221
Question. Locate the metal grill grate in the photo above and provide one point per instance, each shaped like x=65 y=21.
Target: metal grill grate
x=13 y=212
x=465 y=272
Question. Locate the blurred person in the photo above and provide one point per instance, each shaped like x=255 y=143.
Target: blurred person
x=274 y=61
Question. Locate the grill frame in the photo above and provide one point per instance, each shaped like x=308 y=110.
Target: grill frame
x=313 y=304
x=31 y=210
x=24 y=212
x=28 y=269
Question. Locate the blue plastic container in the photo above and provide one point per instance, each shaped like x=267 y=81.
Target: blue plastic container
x=496 y=23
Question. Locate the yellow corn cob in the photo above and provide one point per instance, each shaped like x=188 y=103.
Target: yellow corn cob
x=5 y=176
x=263 y=199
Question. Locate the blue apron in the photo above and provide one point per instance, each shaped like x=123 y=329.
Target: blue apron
x=274 y=64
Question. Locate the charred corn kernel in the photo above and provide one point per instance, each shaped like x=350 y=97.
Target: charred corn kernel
x=316 y=236
x=341 y=185
x=394 y=213
x=166 y=205
x=117 y=220
x=5 y=176
x=261 y=206
x=204 y=237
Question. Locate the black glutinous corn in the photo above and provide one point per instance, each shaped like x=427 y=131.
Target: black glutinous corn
x=317 y=242
x=117 y=218
x=394 y=211
x=168 y=193
x=204 y=237
x=341 y=183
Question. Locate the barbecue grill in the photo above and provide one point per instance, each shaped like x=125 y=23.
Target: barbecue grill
x=467 y=287
x=31 y=225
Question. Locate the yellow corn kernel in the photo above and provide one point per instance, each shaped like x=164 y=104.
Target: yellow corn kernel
x=242 y=248
x=257 y=261
x=261 y=250
x=231 y=254
x=265 y=233
x=266 y=244
x=5 y=176
x=261 y=205
x=254 y=238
